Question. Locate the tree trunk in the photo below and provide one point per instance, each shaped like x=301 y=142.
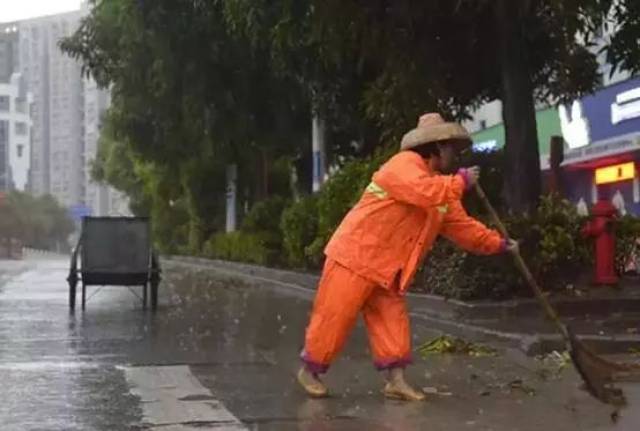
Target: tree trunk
x=265 y=174
x=522 y=180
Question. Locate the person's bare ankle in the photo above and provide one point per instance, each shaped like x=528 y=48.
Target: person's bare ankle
x=398 y=388
x=311 y=383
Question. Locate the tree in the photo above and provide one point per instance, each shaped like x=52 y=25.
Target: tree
x=187 y=99
x=38 y=222
x=452 y=57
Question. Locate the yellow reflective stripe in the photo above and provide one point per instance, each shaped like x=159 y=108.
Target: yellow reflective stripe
x=376 y=190
x=443 y=209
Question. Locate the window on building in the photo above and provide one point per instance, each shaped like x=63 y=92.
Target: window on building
x=21 y=129
x=20 y=151
x=5 y=103
x=483 y=124
x=21 y=106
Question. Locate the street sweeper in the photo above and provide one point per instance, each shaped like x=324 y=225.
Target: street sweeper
x=374 y=254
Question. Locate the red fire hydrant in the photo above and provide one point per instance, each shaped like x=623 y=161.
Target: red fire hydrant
x=601 y=228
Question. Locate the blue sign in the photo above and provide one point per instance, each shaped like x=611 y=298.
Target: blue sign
x=605 y=123
x=613 y=111
x=77 y=212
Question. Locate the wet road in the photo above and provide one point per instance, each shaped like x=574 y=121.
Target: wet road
x=220 y=355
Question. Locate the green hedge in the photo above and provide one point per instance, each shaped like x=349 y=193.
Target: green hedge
x=294 y=234
x=238 y=246
x=627 y=233
x=339 y=195
x=299 y=226
x=551 y=244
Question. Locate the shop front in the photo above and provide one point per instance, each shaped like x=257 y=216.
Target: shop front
x=601 y=134
x=602 y=147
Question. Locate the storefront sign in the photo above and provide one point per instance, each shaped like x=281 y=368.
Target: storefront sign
x=615 y=173
x=602 y=149
x=603 y=124
x=626 y=106
x=575 y=128
x=613 y=111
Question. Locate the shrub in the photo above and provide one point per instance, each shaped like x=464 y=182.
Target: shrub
x=550 y=243
x=265 y=215
x=299 y=226
x=238 y=246
x=627 y=235
x=263 y=221
x=340 y=194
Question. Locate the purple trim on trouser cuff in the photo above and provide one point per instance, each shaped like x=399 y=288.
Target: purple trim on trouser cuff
x=503 y=245
x=393 y=363
x=313 y=366
x=465 y=177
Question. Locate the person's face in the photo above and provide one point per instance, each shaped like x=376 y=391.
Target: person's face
x=448 y=157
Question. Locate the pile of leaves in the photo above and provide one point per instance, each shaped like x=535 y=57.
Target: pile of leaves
x=553 y=364
x=446 y=344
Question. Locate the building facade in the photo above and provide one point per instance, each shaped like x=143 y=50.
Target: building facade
x=15 y=134
x=9 y=54
x=56 y=83
x=66 y=112
x=601 y=134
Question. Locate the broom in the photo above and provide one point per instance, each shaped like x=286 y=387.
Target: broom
x=598 y=373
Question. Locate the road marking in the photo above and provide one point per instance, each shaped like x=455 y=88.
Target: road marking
x=174 y=400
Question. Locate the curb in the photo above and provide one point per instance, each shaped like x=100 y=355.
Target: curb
x=42 y=253
x=434 y=311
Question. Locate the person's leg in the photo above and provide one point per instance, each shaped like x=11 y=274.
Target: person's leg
x=340 y=297
x=387 y=319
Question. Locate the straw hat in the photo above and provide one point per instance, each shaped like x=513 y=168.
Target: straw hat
x=432 y=128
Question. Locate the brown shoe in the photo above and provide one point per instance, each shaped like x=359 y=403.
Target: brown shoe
x=312 y=385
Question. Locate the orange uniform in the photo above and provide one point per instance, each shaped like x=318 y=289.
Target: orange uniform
x=374 y=254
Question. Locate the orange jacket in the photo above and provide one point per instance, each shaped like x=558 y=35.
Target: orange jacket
x=402 y=211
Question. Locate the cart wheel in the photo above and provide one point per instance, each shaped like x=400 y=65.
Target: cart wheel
x=72 y=296
x=154 y=296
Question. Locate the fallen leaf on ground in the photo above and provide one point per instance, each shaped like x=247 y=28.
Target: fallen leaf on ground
x=430 y=390
x=452 y=345
x=553 y=363
x=519 y=385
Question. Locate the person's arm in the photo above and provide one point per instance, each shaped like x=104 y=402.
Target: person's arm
x=471 y=235
x=405 y=179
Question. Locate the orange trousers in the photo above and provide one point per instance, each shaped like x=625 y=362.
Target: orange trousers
x=341 y=296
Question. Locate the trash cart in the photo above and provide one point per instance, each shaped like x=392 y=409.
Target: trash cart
x=115 y=251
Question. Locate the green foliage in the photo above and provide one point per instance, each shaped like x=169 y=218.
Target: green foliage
x=627 y=231
x=378 y=65
x=552 y=238
x=265 y=215
x=551 y=244
x=38 y=222
x=239 y=246
x=299 y=226
x=340 y=194
x=188 y=98
x=263 y=220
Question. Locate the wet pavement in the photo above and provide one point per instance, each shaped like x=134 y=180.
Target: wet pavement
x=221 y=355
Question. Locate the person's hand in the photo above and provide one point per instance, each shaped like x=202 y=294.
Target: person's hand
x=512 y=246
x=473 y=175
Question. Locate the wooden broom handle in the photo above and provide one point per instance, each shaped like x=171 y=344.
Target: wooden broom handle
x=522 y=266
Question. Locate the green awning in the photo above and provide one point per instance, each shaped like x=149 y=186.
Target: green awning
x=548 y=125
